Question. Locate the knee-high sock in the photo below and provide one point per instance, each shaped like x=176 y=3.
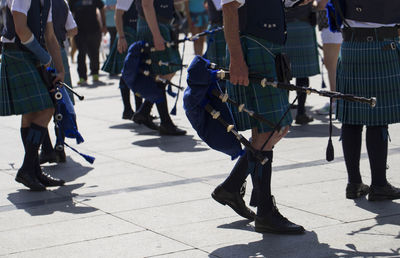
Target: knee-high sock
x=302 y=96
x=237 y=176
x=377 y=147
x=351 y=143
x=138 y=102
x=162 y=109
x=145 y=108
x=34 y=136
x=125 y=94
x=263 y=174
x=47 y=146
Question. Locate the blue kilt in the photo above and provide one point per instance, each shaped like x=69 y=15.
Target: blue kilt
x=269 y=102
x=168 y=55
x=216 y=47
x=22 y=90
x=302 y=49
x=364 y=69
x=115 y=60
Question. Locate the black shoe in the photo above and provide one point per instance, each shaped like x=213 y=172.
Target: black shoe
x=303 y=119
x=29 y=179
x=380 y=193
x=171 y=129
x=145 y=120
x=354 y=191
x=274 y=222
x=61 y=158
x=48 y=180
x=47 y=157
x=127 y=114
x=233 y=200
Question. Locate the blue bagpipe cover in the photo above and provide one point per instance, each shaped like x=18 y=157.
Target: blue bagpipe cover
x=68 y=123
x=135 y=79
x=334 y=16
x=201 y=80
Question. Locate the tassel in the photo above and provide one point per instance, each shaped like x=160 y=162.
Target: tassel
x=88 y=158
x=170 y=92
x=323 y=84
x=330 y=153
x=173 y=110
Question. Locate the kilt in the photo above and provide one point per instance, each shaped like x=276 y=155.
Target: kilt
x=22 y=90
x=216 y=47
x=269 y=102
x=115 y=60
x=365 y=69
x=168 y=55
x=302 y=49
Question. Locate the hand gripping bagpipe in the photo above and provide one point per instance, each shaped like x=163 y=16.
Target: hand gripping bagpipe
x=206 y=108
x=65 y=116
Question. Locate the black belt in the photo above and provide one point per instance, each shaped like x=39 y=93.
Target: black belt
x=370 y=34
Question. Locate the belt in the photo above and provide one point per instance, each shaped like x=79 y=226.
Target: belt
x=370 y=34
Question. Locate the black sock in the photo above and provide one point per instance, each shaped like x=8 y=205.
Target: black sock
x=138 y=102
x=145 y=108
x=33 y=139
x=302 y=96
x=237 y=176
x=263 y=174
x=351 y=143
x=377 y=148
x=162 y=109
x=47 y=146
x=125 y=94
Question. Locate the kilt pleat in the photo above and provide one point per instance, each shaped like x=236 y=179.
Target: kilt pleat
x=269 y=102
x=115 y=60
x=366 y=70
x=168 y=55
x=216 y=47
x=22 y=89
x=302 y=49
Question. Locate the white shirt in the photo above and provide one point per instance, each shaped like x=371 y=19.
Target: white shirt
x=288 y=3
x=217 y=4
x=70 y=23
x=357 y=24
x=22 y=6
x=124 y=5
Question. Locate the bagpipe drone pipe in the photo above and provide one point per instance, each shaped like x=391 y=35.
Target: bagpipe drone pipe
x=207 y=110
x=64 y=116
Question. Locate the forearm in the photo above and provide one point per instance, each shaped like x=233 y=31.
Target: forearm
x=72 y=32
x=103 y=17
x=119 y=24
x=21 y=27
x=231 y=30
x=151 y=17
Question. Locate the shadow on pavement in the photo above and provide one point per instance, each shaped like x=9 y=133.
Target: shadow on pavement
x=184 y=143
x=306 y=245
x=312 y=130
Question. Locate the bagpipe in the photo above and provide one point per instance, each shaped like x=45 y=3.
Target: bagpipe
x=207 y=110
x=64 y=116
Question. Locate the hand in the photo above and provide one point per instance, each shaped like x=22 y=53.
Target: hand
x=48 y=64
x=306 y=2
x=59 y=77
x=104 y=30
x=122 y=45
x=239 y=73
x=159 y=43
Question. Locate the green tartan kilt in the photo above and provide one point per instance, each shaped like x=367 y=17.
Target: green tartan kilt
x=364 y=69
x=269 y=102
x=216 y=47
x=302 y=49
x=22 y=90
x=115 y=60
x=168 y=55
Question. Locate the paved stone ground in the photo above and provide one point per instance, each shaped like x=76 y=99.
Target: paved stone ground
x=149 y=196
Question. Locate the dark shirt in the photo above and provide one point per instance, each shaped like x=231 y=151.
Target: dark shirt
x=84 y=12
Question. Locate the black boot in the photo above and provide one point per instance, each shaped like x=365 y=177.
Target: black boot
x=302 y=118
x=31 y=138
x=47 y=153
x=142 y=116
x=167 y=127
x=230 y=192
x=125 y=94
x=46 y=179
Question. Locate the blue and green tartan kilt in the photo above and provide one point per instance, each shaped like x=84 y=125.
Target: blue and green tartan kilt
x=269 y=102
x=216 y=47
x=302 y=49
x=364 y=69
x=115 y=60
x=168 y=55
x=22 y=90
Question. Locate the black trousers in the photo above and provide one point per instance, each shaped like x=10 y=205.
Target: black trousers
x=88 y=43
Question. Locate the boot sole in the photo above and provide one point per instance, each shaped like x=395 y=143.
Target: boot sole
x=381 y=198
x=265 y=230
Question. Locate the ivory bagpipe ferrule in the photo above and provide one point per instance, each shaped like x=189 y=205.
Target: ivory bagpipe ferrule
x=231 y=129
x=158 y=78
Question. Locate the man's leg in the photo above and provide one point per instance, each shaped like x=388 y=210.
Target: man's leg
x=94 y=42
x=301 y=117
x=81 y=45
